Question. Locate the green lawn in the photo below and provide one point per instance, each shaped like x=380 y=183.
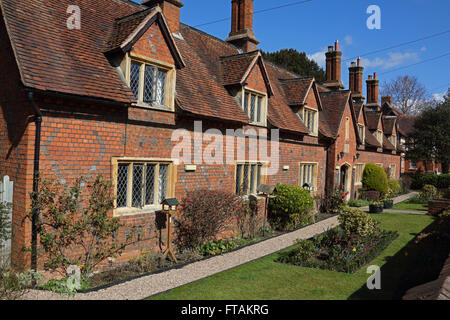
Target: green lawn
x=411 y=205
x=265 y=279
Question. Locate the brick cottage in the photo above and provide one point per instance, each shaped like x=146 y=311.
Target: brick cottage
x=105 y=100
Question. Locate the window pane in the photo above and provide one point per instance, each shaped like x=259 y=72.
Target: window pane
x=238 y=179
x=258 y=176
x=163 y=174
x=246 y=103
x=149 y=83
x=252 y=178
x=150 y=184
x=134 y=78
x=245 y=181
x=160 y=87
x=136 y=198
x=252 y=107
x=258 y=109
x=122 y=182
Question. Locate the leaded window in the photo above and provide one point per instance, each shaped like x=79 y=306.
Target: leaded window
x=248 y=178
x=308 y=175
x=152 y=80
x=253 y=106
x=141 y=184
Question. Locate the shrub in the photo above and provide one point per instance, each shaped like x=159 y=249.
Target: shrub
x=394 y=187
x=334 y=202
x=374 y=178
x=203 y=215
x=356 y=221
x=217 y=247
x=441 y=181
x=291 y=207
x=428 y=192
x=446 y=194
x=71 y=233
x=248 y=221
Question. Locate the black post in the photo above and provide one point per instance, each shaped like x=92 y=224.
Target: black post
x=35 y=213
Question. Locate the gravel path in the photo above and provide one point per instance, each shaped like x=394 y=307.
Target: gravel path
x=149 y=285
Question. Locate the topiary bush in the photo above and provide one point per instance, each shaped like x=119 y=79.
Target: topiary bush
x=290 y=208
x=374 y=178
x=204 y=214
x=357 y=222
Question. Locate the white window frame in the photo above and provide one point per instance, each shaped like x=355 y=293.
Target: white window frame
x=393 y=140
x=315 y=174
x=302 y=115
x=361 y=128
x=392 y=170
x=263 y=106
x=359 y=174
x=129 y=209
x=380 y=136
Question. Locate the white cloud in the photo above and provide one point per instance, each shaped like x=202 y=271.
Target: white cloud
x=423 y=49
x=319 y=58
x=439 y=96
x=348 y=40
x=394 y=59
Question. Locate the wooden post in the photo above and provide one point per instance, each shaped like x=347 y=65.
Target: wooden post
x=169 y=250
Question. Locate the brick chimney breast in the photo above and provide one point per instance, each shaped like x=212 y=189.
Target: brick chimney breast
x=372 y=90
x=356 y=80
x=171 y=10
x=242 y=34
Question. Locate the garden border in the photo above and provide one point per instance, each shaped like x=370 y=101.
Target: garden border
x=179 y=266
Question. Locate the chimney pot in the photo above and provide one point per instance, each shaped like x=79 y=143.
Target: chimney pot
x=370 y=77
x=336 y=45
x=359 y=61
x=330 y=48
x=374 y=75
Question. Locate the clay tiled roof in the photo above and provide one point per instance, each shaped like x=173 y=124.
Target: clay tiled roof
x=373 y=118
x=53 y=58
x=388 y=124
x=236 y=67
x=296 y=90
x=280 y=114
x=334 y=103
x=371 y=140
x=387 y=144
x=406 y=124
x=124 y=27
x=199 y=86
x=357 y=107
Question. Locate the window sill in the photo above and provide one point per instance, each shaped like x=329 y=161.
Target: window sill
x=152 y=106
x=125 y=212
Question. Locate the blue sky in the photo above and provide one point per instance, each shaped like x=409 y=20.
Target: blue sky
x=314 y=25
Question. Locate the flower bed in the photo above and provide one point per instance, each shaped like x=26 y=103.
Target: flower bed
x=333 y=251
x=346 y=248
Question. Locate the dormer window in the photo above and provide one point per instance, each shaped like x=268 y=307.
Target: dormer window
x=310 y=119
x=151 y=82
x=362 y=132
x=379 y=136
x=393 y=140
x=254 y=105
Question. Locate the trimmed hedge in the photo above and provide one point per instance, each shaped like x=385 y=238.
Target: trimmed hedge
x=374 y=178
x=290 y=208
x=441 y=181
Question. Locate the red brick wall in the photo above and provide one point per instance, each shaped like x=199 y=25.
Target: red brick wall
x=255 y=80
x=153 y=45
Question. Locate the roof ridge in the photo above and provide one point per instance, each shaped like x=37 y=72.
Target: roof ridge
x=296 y=79
x=209 y=35
x=282 y=68
x=131 y=3
x=245 y=54
x=135 y=14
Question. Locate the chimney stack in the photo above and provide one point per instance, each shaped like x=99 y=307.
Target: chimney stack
x=356 y=80
x=171 y=10
x=333 y=65
x=372 y=90
x=242 y=34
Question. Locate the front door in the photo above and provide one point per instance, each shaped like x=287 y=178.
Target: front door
x=343 y=183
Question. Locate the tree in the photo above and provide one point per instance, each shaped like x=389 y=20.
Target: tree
x=430 y=139
x=296 y=62
x=407 y=93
